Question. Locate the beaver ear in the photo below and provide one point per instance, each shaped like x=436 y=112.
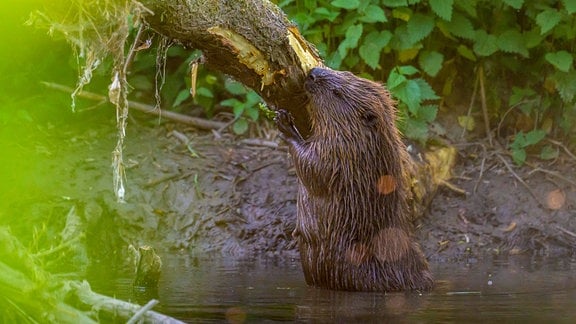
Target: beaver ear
x=370 y=119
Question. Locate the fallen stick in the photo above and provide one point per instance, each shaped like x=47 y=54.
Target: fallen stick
x=149 y=109
x=116 y=306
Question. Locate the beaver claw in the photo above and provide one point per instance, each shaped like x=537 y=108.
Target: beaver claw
x=285 y=123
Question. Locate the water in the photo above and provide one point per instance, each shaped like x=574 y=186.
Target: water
x=219 y=290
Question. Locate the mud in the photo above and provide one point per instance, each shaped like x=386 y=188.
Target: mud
x=221 y=194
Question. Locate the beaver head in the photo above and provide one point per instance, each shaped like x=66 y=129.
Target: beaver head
x=346 y=98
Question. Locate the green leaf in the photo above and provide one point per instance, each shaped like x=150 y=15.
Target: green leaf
x=419 y=26
x=323 y=13
x=534 y=137
x=467 y=122
x=407 y=70
x=516 y=4
x=547 y=19
x=394 y=3
x=519 y=141
x=426 y=91
x=252 y=112
x=252 y=98
x=519 y=156
x=372 y=46
x=235 y=88
x=240 y=126
x=519 y=94
x=430 y=62
x=334 y=60
x=346 y=4
x=511 y=41
x=416 y=130
x=232 y=102
x=401 y=40
x=443 y=8
x=211 y=79
x=548 y=153
x=182 y=95
x=566 y=85
x=410 y=94
x=402 y=13
x=395 y=79
x=461 y=26
x=468 y=7
x=373 y=14
x=485 y=44
x=532 y=38
x=204 y=92
x=570 y=6
x=351 y=41
x=562 y=60
x=428 y=113
x=238 y=109
x=464 y=51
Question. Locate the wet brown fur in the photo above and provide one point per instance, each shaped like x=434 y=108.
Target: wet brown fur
x=352 y=233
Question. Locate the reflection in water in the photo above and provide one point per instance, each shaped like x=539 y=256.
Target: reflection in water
x=237 y=291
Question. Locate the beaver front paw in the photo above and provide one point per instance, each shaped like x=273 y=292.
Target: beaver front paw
x=285 y=123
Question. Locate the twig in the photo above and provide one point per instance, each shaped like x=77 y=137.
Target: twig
x=260 y=142
x=453 y=187
x=181 y=137
x=115 y=306
x=184 y=139
x=142 y=311
x=506 y=114
x=154 y=182
x=472 y=100
x=552 y=173
x=562 y=229
x=60 y=247
x=193 y=121
x=563 y=147
x=133 y=49
x=519 y=179
x=484 y=105
x=481 y=168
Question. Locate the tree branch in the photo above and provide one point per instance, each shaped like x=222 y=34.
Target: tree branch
x=250 y=40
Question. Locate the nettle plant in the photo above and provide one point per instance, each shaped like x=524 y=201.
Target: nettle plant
x=426 y=50
x=524 y=50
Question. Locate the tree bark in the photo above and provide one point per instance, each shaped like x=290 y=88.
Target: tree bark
x=250 y=40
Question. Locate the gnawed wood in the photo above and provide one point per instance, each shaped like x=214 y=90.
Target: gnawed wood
x=250 y=40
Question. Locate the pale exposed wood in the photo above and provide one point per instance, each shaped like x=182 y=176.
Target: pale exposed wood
x=250 y=40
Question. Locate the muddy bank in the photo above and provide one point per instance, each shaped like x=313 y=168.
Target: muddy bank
x=220 y=194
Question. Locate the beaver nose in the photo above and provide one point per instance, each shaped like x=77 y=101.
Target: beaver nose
x=316 y=73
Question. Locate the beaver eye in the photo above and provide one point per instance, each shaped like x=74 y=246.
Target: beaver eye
x=338 y=92
x=370 y=119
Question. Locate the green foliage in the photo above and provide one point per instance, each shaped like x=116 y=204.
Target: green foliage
x=246 y=108
x=523 y=141
x=424 y=50
x=525 y=47
x=211 y=88
x=411 y=94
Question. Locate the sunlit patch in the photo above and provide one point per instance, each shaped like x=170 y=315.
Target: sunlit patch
x=235 y=315
x=386 y=184
x=390 y=244
x=357 y=254
x=556 y=199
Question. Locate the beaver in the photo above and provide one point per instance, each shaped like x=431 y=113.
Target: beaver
x=354 y=228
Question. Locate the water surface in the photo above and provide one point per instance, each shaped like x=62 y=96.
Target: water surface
x=264 y=290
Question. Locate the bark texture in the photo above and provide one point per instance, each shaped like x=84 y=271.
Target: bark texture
x=250 y=40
